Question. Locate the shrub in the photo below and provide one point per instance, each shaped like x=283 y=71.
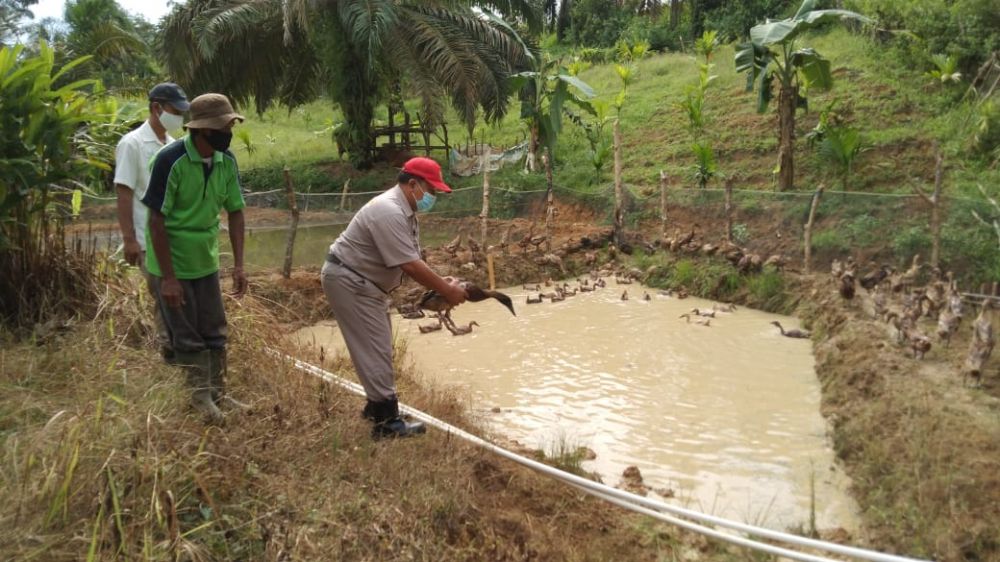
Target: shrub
x=830 y=241
x=767 y=289
x=911 y=241
x=47 y=146
x=863 y=230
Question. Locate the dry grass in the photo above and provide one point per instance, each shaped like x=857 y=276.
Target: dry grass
x=102 y=460
x=923 y=451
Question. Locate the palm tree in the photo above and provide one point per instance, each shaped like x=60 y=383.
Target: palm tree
x=361 y=50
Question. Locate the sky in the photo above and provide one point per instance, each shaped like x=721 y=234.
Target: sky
x=151 y=10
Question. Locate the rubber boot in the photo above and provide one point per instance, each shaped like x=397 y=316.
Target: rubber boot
x=389 y=424
x=218 y=378
x=368 y=412
x=199 y=377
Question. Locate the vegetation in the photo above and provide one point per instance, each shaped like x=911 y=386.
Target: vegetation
x=362 y=53
x=772 y=56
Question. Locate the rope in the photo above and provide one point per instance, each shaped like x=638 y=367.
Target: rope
x=628 y=500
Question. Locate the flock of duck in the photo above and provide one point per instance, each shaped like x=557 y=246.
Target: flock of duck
x=899 y=301
x=430 y=301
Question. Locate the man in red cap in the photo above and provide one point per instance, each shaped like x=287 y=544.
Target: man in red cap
x=366 y=263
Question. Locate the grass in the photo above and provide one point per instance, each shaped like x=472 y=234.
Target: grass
x=101 y=456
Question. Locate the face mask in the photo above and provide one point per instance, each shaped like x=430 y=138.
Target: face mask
x=219 y=140
x=170 y=121
x=426 y=202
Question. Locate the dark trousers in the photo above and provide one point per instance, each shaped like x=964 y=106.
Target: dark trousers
x=199 y=323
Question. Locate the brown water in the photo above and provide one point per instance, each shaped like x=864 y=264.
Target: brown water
x=726 y=416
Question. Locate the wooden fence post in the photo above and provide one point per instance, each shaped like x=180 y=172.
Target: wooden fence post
x=485 y=214
x=286 y=271
x=343 y=194
x=934 y=200
x=550 y=207
x=729 y=210
x=809 y=227
x=663 y=205
x=619 y=229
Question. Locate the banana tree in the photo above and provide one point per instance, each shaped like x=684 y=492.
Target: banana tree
x=544 y=93
x=772 y=55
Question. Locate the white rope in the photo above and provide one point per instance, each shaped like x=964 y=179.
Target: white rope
x=628 y=500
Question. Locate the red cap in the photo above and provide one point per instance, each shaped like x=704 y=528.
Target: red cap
x=427 y=170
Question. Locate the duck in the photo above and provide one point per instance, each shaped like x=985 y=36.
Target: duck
x=846 y=288
x=536 y=287
x=682 y=293
x=435 y=302
x=836 y=269
x=454 y=246
x=557 y=296
x=462 y=330
x=665 y=293
x=536 y=300
x=428 y=328
x=585 y=289
x=705 y=313
x=646 y=297
x=947 y=325
x=794 y=333
x=600 y=283
x=981 y=346
x=625 y=295
x=698 y=320
x=724 y=307
x=919 y=343
x=873 y=279
x=413 y=314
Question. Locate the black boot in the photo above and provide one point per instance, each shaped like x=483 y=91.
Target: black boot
x=368 y=412
x=388 y=423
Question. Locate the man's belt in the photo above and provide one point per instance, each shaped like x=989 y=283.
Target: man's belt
x=330 y=257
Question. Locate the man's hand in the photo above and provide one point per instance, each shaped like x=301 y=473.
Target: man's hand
x=132 y=251
x=456 y=294
x=171 y=292
x=239 y=282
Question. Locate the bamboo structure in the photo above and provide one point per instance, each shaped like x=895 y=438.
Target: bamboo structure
x=485 y=214
x=619 y=229
x=808 y=229
x=286 y=270
x=663 y=205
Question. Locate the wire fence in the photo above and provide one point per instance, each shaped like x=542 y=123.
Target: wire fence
x=886 y=226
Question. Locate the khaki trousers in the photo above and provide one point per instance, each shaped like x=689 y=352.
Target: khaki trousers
x=162 y=335
x=362 y=313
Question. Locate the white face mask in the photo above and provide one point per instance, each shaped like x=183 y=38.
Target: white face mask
x=170 y=121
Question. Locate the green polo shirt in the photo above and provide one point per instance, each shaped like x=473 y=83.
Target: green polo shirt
x=190 y=192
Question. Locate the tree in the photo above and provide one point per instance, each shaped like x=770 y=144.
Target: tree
x=286 y=50
x=771 y=56
x=11 y=14
x=116 y=41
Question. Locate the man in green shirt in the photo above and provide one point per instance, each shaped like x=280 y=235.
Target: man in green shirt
x=191 y=181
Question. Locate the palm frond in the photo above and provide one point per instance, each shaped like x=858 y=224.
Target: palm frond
x=367 y=24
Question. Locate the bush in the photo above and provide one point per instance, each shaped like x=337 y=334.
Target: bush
x=831 y=241
x=47 y=148
x=767 y=289
x=909 y=242
x=863 y=230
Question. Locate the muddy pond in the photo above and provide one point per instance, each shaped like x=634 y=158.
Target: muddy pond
x=724 y=418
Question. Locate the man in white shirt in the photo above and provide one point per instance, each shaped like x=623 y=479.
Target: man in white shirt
x=167 y=104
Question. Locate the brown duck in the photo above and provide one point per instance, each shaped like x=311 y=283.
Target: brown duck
x=434 y=302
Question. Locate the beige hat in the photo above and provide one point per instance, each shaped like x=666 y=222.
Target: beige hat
x=211 y=111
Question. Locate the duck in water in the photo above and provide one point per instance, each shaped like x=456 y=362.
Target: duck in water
x=801 y=334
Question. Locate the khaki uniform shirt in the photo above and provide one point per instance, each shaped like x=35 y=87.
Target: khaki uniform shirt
x=382 y=236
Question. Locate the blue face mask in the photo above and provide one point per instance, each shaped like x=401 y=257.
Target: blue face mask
x=426 y=202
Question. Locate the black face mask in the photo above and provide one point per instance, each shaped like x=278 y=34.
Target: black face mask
x=218 y=140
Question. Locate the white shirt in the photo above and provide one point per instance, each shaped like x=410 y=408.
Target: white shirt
x=132 y=157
